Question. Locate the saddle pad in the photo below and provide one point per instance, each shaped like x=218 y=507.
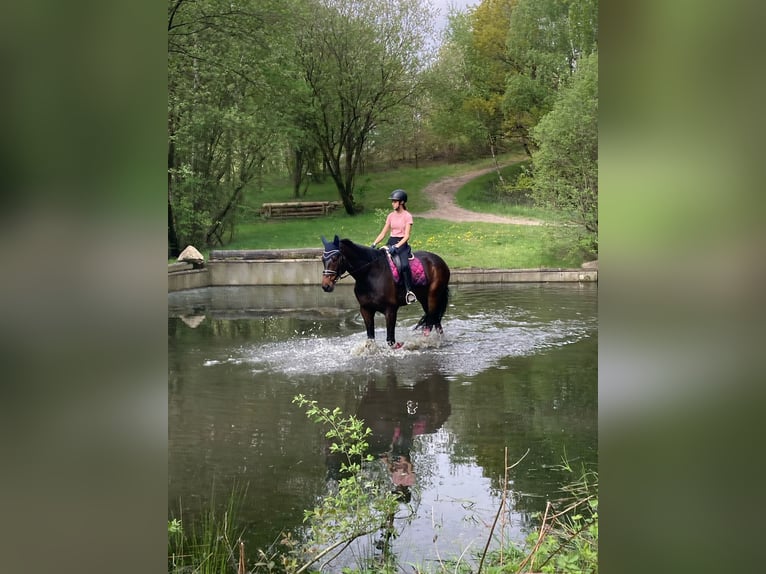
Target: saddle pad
x=416 y=269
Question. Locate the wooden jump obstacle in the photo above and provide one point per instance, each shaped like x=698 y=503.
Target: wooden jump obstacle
x=292 y=209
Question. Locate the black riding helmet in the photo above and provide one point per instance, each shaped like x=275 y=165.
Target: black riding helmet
x=399 y=195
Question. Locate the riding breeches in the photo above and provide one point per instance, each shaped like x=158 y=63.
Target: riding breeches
x=403 y=254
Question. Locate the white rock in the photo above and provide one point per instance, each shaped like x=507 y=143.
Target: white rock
x=191 y=255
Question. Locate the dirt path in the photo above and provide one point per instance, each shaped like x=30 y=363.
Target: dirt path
x=443 y=193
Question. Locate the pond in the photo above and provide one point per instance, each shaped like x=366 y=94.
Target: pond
x=515 y=369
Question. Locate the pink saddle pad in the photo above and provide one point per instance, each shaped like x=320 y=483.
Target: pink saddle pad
x=416 y=269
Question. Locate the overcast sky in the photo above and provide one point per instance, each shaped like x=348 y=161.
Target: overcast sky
x=443 y=7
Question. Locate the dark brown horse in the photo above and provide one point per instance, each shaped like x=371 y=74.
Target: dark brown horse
x=376 y=290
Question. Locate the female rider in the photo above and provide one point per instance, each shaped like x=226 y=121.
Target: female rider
x=399 y=223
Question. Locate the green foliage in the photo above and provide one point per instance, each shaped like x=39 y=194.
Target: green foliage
x=224 y=125
x=566 y=543
x=462 y=245
x=360 y=503
x=272 y=86
x=545 y=41
x=567 y=539
x=487 y=65
x=174 y=527
x=566 y=163
x=457 y=129
x=192 y=206
x=210 y=545
x=570 y=537
x=344 y=101
x=507 y=196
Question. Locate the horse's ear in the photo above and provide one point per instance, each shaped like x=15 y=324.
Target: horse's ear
x=324 y=242
x=336 y=241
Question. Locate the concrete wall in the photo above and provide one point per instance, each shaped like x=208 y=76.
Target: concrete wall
x=247 y=268
x=523 y=275
x=192 y=279
x=266 y=272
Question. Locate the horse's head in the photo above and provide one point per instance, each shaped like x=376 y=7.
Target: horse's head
x=334 y=265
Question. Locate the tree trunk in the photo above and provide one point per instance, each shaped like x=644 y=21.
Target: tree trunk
x=494 y=159
x=174 y=249
x=297 y=172
x=221 y=217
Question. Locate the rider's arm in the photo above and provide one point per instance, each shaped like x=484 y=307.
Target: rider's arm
x=383 y=232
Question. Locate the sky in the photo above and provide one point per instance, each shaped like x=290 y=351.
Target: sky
x=444 y=4
x=443 y=7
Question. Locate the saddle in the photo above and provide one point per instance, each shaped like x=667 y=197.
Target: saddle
x=417 y=270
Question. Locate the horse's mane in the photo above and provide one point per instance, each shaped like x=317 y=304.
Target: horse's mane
x=362 y=251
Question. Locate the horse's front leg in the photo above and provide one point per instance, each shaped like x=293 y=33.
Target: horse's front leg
x=391 y=325
x=368 y=315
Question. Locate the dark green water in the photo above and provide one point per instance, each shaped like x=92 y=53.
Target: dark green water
x=516 y=369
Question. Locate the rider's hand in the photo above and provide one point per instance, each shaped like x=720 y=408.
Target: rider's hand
x=374 y=245
x=392 y=249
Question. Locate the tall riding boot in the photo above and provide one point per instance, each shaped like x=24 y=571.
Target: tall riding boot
x=409 y=297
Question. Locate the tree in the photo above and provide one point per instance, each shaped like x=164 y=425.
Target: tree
x=487 y=65
x=545 y=40
x=225 y=74
x=360 y=63
x=452 y=117
x=566 y=161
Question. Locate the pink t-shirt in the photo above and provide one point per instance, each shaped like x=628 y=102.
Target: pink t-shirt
x=398 y=222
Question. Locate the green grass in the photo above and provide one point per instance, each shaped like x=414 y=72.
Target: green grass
x=371 y=189
x=207 y=545
x=486 y=194
x=462 y=245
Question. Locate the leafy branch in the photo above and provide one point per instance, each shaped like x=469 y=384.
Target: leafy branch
x=360 y=505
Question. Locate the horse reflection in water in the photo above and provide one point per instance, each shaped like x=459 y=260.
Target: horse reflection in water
x=396 y=415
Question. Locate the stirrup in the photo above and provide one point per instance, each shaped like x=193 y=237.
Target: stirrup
x=410 y=297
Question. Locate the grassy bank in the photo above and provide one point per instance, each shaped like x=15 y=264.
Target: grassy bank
x=462 y=245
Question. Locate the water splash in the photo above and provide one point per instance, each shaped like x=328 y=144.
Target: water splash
x=484 y=326
x=467 y=347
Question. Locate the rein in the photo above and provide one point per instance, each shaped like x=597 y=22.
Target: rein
x=329 y=254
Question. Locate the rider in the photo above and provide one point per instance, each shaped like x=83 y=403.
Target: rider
x=399 y=223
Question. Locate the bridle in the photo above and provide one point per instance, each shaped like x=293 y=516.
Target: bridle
x=328 y=256
x=333 y=253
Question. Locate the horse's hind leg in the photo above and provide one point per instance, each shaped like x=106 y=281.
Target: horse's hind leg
x=437 y=305
x=430 y=320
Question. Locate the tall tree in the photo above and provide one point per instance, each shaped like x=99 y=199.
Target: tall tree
x=360 y=61
x=452 y=115
x=566 y=161
x=545 y=40
x=487 y=65
x=224 y=71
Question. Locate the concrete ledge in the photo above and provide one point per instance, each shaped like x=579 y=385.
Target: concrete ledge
x=191 y=279
x=286 y=267
x=173 y=267
x=261 y=254
x=523 y=275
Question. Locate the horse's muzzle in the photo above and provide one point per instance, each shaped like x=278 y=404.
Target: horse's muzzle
x=328 y=283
